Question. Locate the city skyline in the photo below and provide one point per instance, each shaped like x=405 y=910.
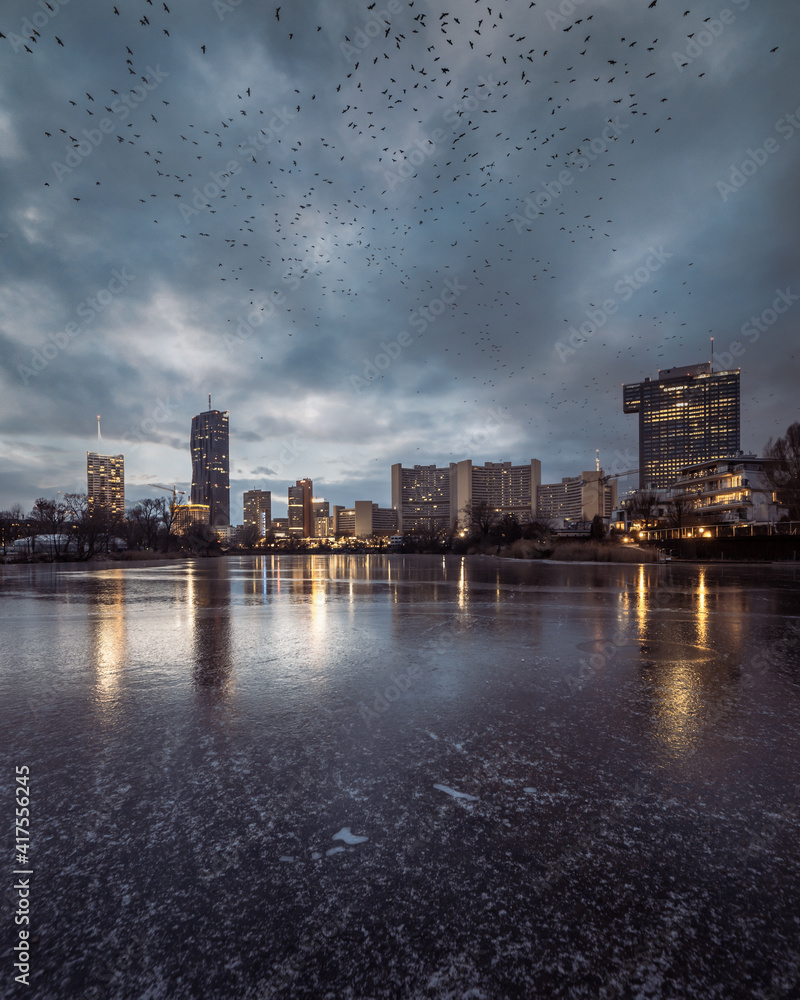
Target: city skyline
x=371 y=251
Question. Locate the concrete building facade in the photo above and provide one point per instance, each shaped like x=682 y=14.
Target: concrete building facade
x=577 y=498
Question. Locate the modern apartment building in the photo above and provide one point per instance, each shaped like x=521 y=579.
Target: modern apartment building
x=105 y=483
x=257 y=508
x=728 y=491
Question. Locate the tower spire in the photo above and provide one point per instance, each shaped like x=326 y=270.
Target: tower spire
x=209 y=401
x=99 y=438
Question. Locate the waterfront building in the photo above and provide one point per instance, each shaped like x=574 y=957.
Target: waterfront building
x=189 y=514
x=421 y=497
x=687 y=416
x=506 y=488
x=727 y=491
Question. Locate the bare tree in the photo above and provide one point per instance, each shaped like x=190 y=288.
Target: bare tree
x=679 y=511
x=783 y=469
x=538 y=529
x=167 y=513
x=480 y=518
x=47 y=517
x=93 y=526
x=143 y=522
x=643 y=506
x=12 y=524
x=248 y=536
x=507 y=529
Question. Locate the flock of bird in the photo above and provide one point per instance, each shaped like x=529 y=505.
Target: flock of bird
x=412 y=164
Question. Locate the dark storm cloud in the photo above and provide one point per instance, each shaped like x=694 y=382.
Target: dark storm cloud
x=364 y=232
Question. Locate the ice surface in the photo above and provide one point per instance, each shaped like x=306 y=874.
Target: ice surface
x=197 y=782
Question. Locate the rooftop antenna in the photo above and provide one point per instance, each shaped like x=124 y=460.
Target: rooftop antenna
x=597 y=458
x=99 y=438
x=712 y=355
x=209 y=401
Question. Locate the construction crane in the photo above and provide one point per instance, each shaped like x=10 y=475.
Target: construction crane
x=173 y=490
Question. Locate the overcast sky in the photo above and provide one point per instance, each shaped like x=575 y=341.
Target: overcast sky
x=419 y=232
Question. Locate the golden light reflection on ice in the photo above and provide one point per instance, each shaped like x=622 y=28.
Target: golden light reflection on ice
x=109 y=637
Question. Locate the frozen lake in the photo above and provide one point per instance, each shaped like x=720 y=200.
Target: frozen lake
x=402 y=777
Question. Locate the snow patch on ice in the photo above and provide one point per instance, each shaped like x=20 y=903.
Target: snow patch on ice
x=455 y=794
x=348 y=837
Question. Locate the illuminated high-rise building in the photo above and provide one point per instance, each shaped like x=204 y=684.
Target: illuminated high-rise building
x=257 y=507
x=301 y=508
x=105 y=483
x=687 y=416
x=211 y=464
x=421 y=497
x=506 y=488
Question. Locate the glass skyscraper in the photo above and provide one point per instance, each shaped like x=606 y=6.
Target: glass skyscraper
x=687 y=416
x=211 y=465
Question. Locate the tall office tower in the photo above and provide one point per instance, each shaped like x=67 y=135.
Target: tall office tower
x=687 y=416
x=105 y=483
x=507 y=488
x=421 y=497
x=257 y=506
x=211 y=464
x=301 y=509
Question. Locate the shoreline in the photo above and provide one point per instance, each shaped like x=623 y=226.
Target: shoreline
x=109 y=562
